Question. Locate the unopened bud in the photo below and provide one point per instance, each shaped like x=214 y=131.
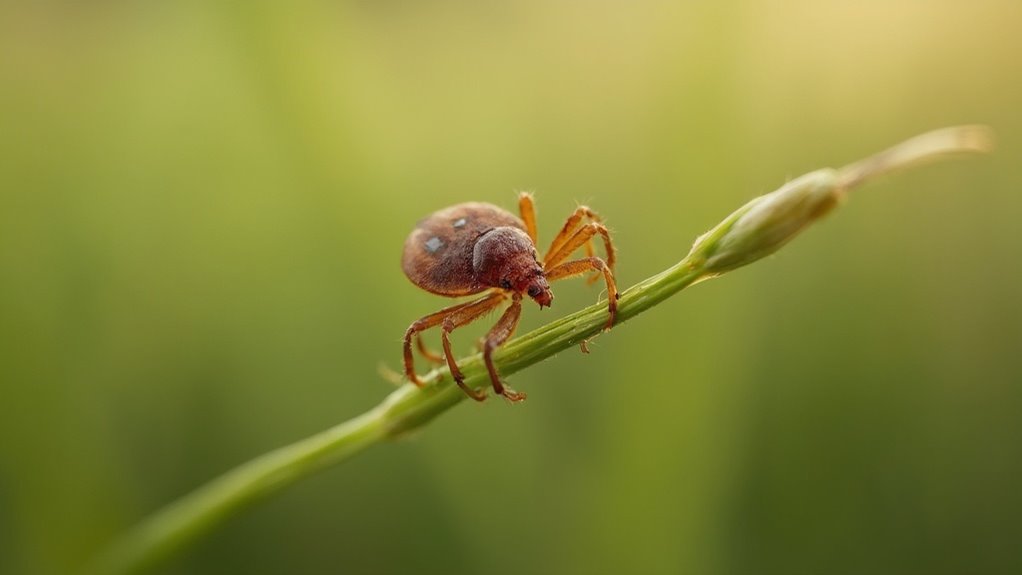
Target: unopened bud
x=762 y=226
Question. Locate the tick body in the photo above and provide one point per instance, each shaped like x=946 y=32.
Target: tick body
x=477 y=248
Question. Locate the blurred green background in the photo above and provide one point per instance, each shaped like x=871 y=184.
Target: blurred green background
x=202 y=207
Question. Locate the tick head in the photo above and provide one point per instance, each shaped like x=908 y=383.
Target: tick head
x=539 y=290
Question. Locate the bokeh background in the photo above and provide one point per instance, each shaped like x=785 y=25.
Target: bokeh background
x=202 y=207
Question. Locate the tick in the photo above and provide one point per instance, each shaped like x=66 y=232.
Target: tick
x=479 y=248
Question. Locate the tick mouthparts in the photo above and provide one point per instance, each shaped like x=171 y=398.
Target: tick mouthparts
x=544 y=299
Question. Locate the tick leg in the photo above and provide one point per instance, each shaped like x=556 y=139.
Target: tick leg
x=579 y=267
x=591 y=252
x=497 y=336
x=527 y=208
x=571 y=225
x=457 y=319
x=427 y=353
x=430 y=321
x=580 y=238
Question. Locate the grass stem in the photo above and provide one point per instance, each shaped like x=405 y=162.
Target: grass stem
x=753 y=231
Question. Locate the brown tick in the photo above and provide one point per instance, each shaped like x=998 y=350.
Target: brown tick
x=475 y=247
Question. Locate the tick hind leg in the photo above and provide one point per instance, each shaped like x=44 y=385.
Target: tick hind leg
x=434 y=319
x=457 y=319
x=500 y=333
x=430 y=355
x=527 y=207
x=579 y=267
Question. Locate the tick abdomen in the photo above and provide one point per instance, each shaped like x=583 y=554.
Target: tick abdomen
x=438 y=253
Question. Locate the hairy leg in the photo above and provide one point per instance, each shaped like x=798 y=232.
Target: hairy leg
x=430 y=321
x=527 y=208
x=569 y=228
x=591 y=252
x=457 y=319
x=427 y=353
x=498 y=335
x=579 y=267
x=580 y=238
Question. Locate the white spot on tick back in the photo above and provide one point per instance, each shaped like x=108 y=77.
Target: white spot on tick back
x=433 y=244
x=460 y=223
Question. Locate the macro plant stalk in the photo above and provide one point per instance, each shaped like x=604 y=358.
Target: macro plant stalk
x=757 y=229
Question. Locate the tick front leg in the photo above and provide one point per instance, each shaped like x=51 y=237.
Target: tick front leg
x=580 y=238
x=569 y=228
x=579 y=267
x=500 y=333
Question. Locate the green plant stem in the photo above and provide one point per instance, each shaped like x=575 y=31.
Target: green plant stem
x=753 y=231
